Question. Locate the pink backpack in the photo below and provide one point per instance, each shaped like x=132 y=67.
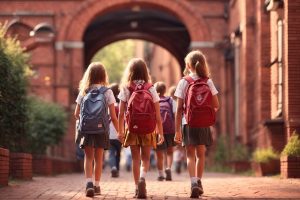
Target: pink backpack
x=140 y=114
x=198 y=103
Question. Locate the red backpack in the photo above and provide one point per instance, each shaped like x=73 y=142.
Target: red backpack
x=140 y=114
x=198 y=108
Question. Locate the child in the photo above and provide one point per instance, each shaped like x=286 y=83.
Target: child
x=193 y=138
x=136 y=75
x=167 y=115
x=115 y=144
x=95 y=79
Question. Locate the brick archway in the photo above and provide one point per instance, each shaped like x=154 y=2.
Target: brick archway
x=83 y=16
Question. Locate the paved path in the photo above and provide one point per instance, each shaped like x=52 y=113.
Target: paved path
x=216 y=186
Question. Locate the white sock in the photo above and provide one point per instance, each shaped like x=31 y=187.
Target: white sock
x=89 y=180
x=194 y=179
x=160 y=173
x=142 y=173
x=97 y=183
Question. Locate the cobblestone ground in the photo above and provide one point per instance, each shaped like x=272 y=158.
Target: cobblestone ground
x=216 y=186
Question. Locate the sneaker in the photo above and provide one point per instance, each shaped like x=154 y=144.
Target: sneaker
x=141 y=193
x=136 y=193
x=160 y=178
x=168 y=175
x=97 y=190
x=195 y=190
x=89 y=191
x=200 y=186
x=114 y=172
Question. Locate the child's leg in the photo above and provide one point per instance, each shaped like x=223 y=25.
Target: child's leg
x=169 y=157
x=88 y=162
x=145 y=160
x=200 y=161
x=118 y=154
x=190 y=153
x=98 y=164
x=160 y=159
x=136 y=158
x=112 y=155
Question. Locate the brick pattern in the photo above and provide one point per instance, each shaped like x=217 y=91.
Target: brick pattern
x=290 y=167
x=20 y=165
x=4 y=166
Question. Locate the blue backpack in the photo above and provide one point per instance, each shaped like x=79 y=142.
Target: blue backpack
x=94 y=118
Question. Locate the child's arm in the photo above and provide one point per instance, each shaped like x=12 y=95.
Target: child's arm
x=215 y=102
x=113 y=116
x=121 y=120
x=159 y=123
x=77 y=111
x=178 y=118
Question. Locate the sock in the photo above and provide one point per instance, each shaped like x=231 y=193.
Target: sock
x=89 y=180
x=194 y=179
x=142 y=173
x=160 y=173
x=97 y=183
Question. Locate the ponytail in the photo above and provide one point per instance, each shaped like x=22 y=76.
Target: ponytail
x=197 y=61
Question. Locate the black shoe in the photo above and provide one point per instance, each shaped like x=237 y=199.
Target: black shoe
x=89 y=191
x=200 y=186
x=136 y=193
x=141 y=193
x=168 y=175
x=97 y=190
x=160 y=178
x=114 y=173
x=195 y=190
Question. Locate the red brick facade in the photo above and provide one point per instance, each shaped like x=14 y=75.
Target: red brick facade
x=238 y=36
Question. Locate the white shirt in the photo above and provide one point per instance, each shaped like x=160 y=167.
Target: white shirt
x=112 y=131
x=124 y=94
x=182 y=87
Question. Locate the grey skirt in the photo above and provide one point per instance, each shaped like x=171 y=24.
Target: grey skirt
x=95 y=141
x=196 y=136
x=168 y=142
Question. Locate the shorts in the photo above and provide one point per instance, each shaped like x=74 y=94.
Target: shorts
x=196 y=136
x=168 y=142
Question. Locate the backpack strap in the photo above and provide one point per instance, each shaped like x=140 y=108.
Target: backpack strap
x=189 y=79
x=133 y=87
x=103 y=89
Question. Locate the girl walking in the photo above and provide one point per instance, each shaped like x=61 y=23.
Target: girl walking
x=195 y=137
x=165 y=150
x=94 y=100
x=137 y=95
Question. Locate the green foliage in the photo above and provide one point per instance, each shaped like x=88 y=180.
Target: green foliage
x=239 y=152
x=13 y=82
x=115 y=58
x=292 y=148
x=221 y=154
x=46 y=125
x=264 y=155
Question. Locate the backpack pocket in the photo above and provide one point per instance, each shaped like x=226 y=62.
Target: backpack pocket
x=141 y=123
x=93 y=126
x=201 y=117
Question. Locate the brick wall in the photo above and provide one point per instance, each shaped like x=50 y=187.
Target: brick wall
x=20 y=165
x=4 y=166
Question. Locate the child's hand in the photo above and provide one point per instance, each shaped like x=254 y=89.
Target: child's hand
x=121 y=137
x=161 y=139
x=178 y=137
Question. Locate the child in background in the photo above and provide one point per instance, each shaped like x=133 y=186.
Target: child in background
x=195 y=139
x=95 y=79
x=136 y=77
x=165 y=150
x=115 y=144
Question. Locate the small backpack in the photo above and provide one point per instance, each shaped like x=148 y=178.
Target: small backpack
x=167 y=115
x=140 y=114
x=198 y=103
x=94 y=118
